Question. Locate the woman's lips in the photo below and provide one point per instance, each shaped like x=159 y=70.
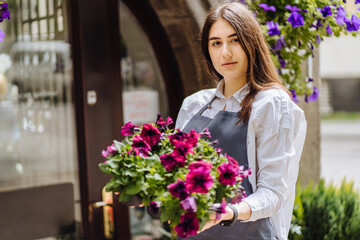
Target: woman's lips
x=229 y=64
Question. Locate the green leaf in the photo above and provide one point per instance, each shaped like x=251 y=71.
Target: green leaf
x=132 y=189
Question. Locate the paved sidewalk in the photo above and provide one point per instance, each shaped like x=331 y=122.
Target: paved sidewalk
x=340 y=151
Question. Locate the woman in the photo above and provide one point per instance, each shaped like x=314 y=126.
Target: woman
x=255 y=121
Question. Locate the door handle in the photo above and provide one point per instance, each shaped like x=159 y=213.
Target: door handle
x=107 y=205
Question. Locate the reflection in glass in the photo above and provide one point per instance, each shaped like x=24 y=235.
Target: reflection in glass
x=144 y=96
x=37 y=119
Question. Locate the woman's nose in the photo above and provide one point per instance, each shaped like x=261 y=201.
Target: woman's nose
x=226 y=51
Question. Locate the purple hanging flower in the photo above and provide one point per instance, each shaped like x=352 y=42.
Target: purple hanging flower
x=296 y=19
x=294 y=96
x=178 y=189
x=280 y=43
x=357 y=1
x=293 y=8
x=189 y=204
x=140 y=147
x=199 y=180
x=314 y=96
x=340 y=16
x=267 y=8
x=318 y=39
x=273 y=28
x=328 y=30
x=2 y=36
x=189 y=225
x=326 y=11
x=281 y=60
x=169 y=162
x=353 y=24
x=228 y=173
x=4 y=12
x=111 y=150
x=128 y=129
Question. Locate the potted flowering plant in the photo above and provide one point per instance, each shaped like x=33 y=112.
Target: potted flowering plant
x=176 y=174
x=4 y=14
x=293 y=29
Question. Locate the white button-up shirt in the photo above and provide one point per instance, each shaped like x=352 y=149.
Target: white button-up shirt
x=275 y=138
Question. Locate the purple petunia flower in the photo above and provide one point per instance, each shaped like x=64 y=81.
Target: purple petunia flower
x=2 y=36
x=150 y=134
x=318 y=39
x=281 y=60
x=296 y=19
x=206 y=133
x=328 y=30
x=344 y=1
x=267 y=8
x=353 y=24
x=111 y=150
x=4 y=12
x=340 y=16
x=189 y=225
x=189 y=204
x=293 y=8
x=169 y=162
x=314 y=96
x=199 y=180
x=228 y=173
x=128 y=129
x=140 y=147
x=357 y=1
x=294 y=96
x=280 y=43
x=326 y=11
x=273 y=28
x=178 y=189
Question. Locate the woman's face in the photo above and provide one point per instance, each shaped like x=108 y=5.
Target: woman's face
x=226 y=53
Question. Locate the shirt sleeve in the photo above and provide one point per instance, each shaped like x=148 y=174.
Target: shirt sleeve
x=276 y=124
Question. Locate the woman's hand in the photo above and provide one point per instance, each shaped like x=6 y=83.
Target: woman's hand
x=228 y=215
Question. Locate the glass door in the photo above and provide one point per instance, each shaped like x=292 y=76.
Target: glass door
x=144 y=95
x=39 y=186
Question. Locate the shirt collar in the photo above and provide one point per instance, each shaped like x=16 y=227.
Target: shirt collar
x=239 y=95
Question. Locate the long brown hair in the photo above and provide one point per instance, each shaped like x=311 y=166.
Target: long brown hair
x=261 y=71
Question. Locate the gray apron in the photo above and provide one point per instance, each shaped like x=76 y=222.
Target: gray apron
x=232 y=139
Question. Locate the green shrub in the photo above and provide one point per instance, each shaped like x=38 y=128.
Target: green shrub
x=326 y=212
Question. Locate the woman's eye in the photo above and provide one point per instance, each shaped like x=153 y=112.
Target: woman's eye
x=235 y=40
x=216 y=43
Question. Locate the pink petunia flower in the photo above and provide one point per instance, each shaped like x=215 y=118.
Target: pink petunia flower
x=169 y=162
x=178 y=189
x=111 y=150
x=189 y=225
x=196 y=165
x=189 y=204
x=199 y=180
x=228 y=173
x=128 y=129
x=140 y=147
x=180 y=151
x=150 y=134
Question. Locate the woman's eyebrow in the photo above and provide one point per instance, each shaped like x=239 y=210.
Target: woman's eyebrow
x=216 y=38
